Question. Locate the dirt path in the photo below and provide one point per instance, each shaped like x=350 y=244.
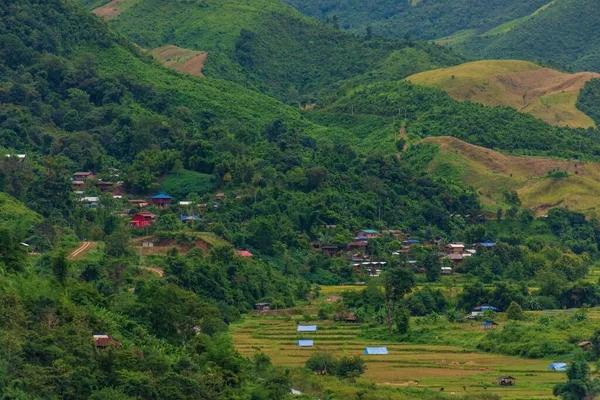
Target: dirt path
x=84 y=248
x=155 y=270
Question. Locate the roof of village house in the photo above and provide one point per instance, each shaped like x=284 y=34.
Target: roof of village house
x=81 y=173
x=190 y=218
x=376 y=350
x=162 y=197
x=457 y=245
x=307 y=328
x=105 y=340
x=185 y=203
x=455 y=256
x=305 y=343
x=244 y=253
x=77 y=182
x=584 y=343
x=369 y=231
x=486 y=244
x=358 y=243
x=90 y=199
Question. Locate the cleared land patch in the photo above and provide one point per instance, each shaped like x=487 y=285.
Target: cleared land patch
x=180 y=59
x=542 y=92
x=492 y=173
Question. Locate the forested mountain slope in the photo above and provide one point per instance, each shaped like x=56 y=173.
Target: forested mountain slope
x=263 y=44
x=565 y=33
x=558 y=32
x=424 y=19
x=542 y=92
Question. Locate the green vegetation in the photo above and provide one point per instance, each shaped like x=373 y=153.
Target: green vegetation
x=589 y=98
x=278 y=195
x=427 y=19
x=573 y=46
x=265 y=44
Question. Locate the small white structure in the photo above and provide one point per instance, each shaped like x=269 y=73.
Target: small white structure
x=307 y=328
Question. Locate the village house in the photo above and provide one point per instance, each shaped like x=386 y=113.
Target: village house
x=202 y=207
x=91 y=202
x=221 y=196
x=446 y=270
x=77 y=185
x=329 y=249
x=185 y=203
x=103 y=341
x=368 y=233
x=243 y=253
x=104 y=187
x=358 y=245
x=346 y=317
x=142 y=219
x=507 y=381
x=585 y=345
x=161 y=200
x=190 y=218
x=19 y=157
x=84 y=176
x=410 y=242
x=262 y=307
x=485 y=245
x=456 y=248
x=139 y=203
x=455 y=258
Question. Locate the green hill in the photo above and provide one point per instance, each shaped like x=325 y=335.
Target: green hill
x=563 y=33
x=542 y=92
x=557 y=32
x=424 y=19
x=263 y=44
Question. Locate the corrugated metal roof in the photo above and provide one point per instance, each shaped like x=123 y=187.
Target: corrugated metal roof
x=307 y=328
x=376 y=350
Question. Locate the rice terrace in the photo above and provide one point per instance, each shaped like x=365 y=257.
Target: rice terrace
x=409 y=370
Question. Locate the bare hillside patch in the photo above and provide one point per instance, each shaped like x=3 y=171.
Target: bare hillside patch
x=180 y=59
x=542 y=92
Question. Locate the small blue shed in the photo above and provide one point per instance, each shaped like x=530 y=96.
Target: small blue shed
x=307 y=328
x=376 y=350
x=559 y=366
x=305 y=343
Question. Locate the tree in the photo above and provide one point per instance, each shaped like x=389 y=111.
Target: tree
x=402 y=318
x=322 y=363
x=60 y=266
x=432 y=265
x=514 y=311
x=351 y=367
x=369 y=34
x=579 y=386
x=398 y=282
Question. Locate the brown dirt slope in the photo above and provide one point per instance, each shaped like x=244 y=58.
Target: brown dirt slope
x=492 y=173
x=542 y=92
x=180 y=59
x=110 y=10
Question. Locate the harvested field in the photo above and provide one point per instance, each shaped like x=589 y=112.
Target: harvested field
x=492 y=173
x=408 y=366
x=183 y=60
x=542 y=92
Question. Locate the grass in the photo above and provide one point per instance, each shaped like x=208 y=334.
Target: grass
x=544 y=93
x=492 y=173
x=15 y=216
x=212 y=239
x=501 y=29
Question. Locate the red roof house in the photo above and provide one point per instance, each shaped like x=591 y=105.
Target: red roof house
x=244 y=253
x=143 y=219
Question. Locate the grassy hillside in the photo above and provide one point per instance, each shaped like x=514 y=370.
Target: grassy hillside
x=563 y=33
x=544 y=93
x=263 y=44
x=492 y=174
x=15 y=216
x=428 y=111
x=426 y=19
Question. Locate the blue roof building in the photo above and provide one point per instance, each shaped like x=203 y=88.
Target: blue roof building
x=305 y=343
x=162 y=196
x=559 y=366
x=376 y=350
x=186 y=218
x=307 y=328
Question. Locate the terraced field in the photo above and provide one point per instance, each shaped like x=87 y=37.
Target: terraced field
x=414 y=366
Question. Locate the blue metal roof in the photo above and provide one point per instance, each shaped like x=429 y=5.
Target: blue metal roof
x=488 y=244
x=488 y=323
x=369 y=231
x=413 y=241
x=559 y=366
x=376 y=350
x=162 y=196
x=361 y=238
x=307 y=328
x=305 y=343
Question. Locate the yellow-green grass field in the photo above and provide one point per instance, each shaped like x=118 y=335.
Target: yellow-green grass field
x=492 y=173
x=414 y=366
x=542 y=92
